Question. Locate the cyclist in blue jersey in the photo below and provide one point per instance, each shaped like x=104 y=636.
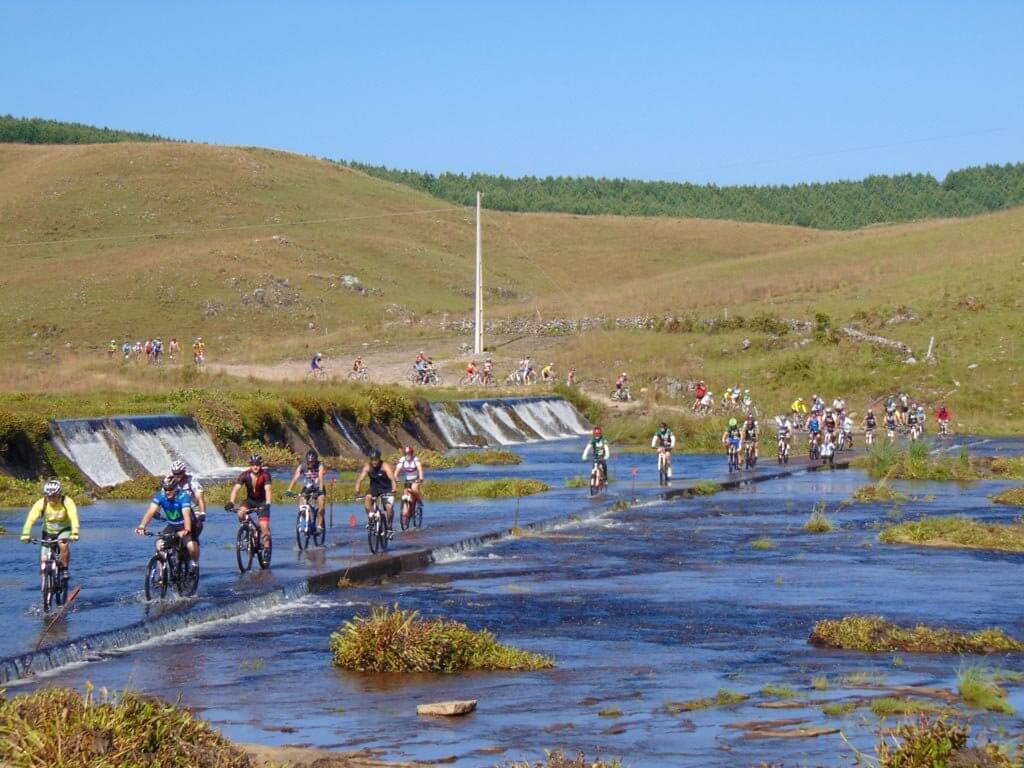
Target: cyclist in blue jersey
x=175 y=506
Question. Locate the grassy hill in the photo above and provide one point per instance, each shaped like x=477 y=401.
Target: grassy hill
x=247 y=247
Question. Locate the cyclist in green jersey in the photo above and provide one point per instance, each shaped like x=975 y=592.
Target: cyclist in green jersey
x=601 y=449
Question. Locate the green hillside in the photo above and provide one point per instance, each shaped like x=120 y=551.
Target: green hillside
x=831 y=205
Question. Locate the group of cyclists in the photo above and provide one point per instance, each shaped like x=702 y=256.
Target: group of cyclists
x=180 y=501
x=152 y=350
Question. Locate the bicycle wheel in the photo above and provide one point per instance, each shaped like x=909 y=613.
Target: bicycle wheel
x=60 y=585
x=156 y=585
x=595 y=484
x=47 y=589
x=417 y=515
x=371 y=533
x=263 y=553
x=405 y=517
x=243 y=550
x=319 y=531
x=382 y=533
x=302 y=528
x=188 y=578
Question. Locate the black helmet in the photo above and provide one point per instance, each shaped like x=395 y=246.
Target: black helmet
x=255 y=460
x=312 y=457
x=374 y=454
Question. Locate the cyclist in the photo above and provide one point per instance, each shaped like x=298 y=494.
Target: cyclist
x=409 y=469
x=358 y=366
x=570 y=378
x=112 y=349
x=870 y=424
x=698 y=395
x=904 y=408
x=817 y=405
x=920 y=417
x=943 y=417
x=258 y=493
x=839 y=406
x=731 y=438
x=191 y=485
x=316 y=365
x=488 y=375
x=173 y=348
x=829 y=424
x=750 y=430
x=601 y=449
x=847 y=433
x=158 y=350
x=60 y=522
x=422 y=367
x=814 y=429
x=798 y=410
x=911 y=416
x=622 y=387
x=382 y=483
x=785 y=431
x=176 y=508
x=890 y=424
x=664 y=440
x=312 y=472
x=748 y=401
x=547 y=373
x=126 y=350
x=471 y=372
x=198 y=351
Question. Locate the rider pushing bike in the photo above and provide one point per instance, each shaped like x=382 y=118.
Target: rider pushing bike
x=60 y=522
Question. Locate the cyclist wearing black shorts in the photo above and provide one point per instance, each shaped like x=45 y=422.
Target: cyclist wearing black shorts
x=258 y=494
x=382 y=483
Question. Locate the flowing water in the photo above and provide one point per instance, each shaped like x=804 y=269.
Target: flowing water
x=666 y=600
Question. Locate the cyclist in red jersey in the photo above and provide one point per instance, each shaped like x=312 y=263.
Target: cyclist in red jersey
x=258 y=493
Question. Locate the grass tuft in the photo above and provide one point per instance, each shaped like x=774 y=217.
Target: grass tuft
x=914 y=461
x=878 y=492
x=839 y=708
x=888 y=706
x=1012 y=496
x=780 y=692
x=610 y=712
x=722 y=698
x=763 y=543
x=705 y=488
x=875 y=635
x=957 y=531
x=819 y=683
x=558 y=759
x=394 y=640
x=818 y=522
x=60 y=727
x=979 y=689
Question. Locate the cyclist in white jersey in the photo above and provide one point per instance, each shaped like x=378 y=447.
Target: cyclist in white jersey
x=409 y=470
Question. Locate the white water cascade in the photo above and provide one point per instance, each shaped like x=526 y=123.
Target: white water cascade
x=507 y=421
x=110 y=451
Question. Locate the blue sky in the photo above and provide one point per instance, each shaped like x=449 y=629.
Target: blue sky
x=723 y=92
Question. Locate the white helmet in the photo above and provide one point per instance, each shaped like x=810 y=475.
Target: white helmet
x=178 y=468
x=52 y=488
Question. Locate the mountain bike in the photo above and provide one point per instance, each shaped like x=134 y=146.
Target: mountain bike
x=828 y=454
x=733 y=452
x=869 y=437
x=517 y=378
x=171 y=565
x=53 y=585
x=915 y=431
x=317 y=374
x=943 y=427
x=249 y=540
x=360 y=375
x=306 y=520
x=622 y=395
x=783 y=450
x=427 y=378
x=598 y=482
x=377 y=524
x=749 y=456
x=410 y=517
x=664 y=467
x=487 y=379
x=813 y=446
x=470 y=380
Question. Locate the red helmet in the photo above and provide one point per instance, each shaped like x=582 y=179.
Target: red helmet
x=597 y=432
x=409 y=450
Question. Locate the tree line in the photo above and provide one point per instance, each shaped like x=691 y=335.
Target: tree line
x=36 y=130
x=825 y=205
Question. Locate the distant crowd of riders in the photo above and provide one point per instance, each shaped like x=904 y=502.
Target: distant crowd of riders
x=152 y=351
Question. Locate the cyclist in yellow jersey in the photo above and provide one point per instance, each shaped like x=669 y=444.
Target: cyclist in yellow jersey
x=60 y=521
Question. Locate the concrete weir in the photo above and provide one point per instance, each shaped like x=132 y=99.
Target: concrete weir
x=176 y=617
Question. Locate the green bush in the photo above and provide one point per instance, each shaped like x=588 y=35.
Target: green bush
x=876 y=635
x=393 y=640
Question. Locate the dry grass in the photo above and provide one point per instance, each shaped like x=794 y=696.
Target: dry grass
x=957 y=531
x=60 y=727
x=1011 y=496
x=876 y=635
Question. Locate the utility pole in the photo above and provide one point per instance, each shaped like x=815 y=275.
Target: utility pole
x=478 y=309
